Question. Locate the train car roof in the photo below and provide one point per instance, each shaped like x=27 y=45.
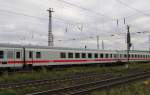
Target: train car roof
x=64 y=48
x=46 y=47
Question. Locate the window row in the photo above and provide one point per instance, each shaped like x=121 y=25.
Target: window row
x=101 y=55
x=10 y=54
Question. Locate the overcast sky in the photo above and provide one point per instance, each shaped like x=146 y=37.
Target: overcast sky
x=76 y=23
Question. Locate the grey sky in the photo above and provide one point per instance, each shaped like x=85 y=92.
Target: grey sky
x=26 y=22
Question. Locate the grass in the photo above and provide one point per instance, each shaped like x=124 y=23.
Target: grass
x=8 y=92
x=136 y=88
x=61 y=73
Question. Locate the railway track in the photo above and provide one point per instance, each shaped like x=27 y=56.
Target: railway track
x=55 y=82
x=84 y=88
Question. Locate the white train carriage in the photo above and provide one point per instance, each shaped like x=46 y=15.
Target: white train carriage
x=66 y=56
x=20 y=56
x=10 y=56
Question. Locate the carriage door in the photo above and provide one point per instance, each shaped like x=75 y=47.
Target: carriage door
x=31 y=57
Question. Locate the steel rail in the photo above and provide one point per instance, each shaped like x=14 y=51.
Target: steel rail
x=86 y=87
x=54 y=81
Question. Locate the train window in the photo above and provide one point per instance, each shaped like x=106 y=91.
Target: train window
x=120 y=55
x=17 y=54
x=110 y=55
x=89 y=55
x=106 y=55
x=77 y=55
x=135 y=56
x=62 y=55
x=70 y=55
x=115 y=55
x=101 y=55
x=146 y=56
x=1 y=54
x=129 y=55
x=83 y=55
x=138 y=56
x=38 y=54
x=132 y=56
x=30 y=54
x=10 y=54
x=96 y=55
x=125 y=56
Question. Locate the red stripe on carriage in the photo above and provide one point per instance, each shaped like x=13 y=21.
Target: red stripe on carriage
x=62 y=61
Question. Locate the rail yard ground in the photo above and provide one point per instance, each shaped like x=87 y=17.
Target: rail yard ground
x=136 y=88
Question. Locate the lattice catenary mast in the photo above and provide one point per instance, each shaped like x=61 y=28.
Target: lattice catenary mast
x=50 y=34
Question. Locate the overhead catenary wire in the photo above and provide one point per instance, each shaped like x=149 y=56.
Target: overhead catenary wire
x=17 y=13
x=135 y=9
x=86 y=9
x=42 y=18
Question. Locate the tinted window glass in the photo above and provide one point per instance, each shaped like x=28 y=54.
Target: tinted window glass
x=62 y=55
x=110 y=55
x=17 y=54
x=77 y=55
x=30 y=54
x=101 y=55
x=70 y=55
x=125 y=56
x=83 y=55
x=96 y=55
x=1 y=54
x=106 y=55
x=38 y=54
x=115 y=55
x=89 y=55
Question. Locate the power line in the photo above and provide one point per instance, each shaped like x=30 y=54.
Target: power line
x=31 y=16
x=137 y=10
x=86 y=9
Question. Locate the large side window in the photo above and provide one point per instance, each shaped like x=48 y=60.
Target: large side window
x=38 y=54
x=1 y=54
x=77 y=55
x=110 y=55
x=101 y=55
x=62 y=55
x=70 y=55
x=106 y=55
x=30 y=54
x=96 y=55
x=136 y=56
x=18 y=55
x=10 y=54
x=83 y=55
x=89 y=55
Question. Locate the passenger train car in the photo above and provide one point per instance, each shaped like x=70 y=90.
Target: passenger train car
x=19 y=56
